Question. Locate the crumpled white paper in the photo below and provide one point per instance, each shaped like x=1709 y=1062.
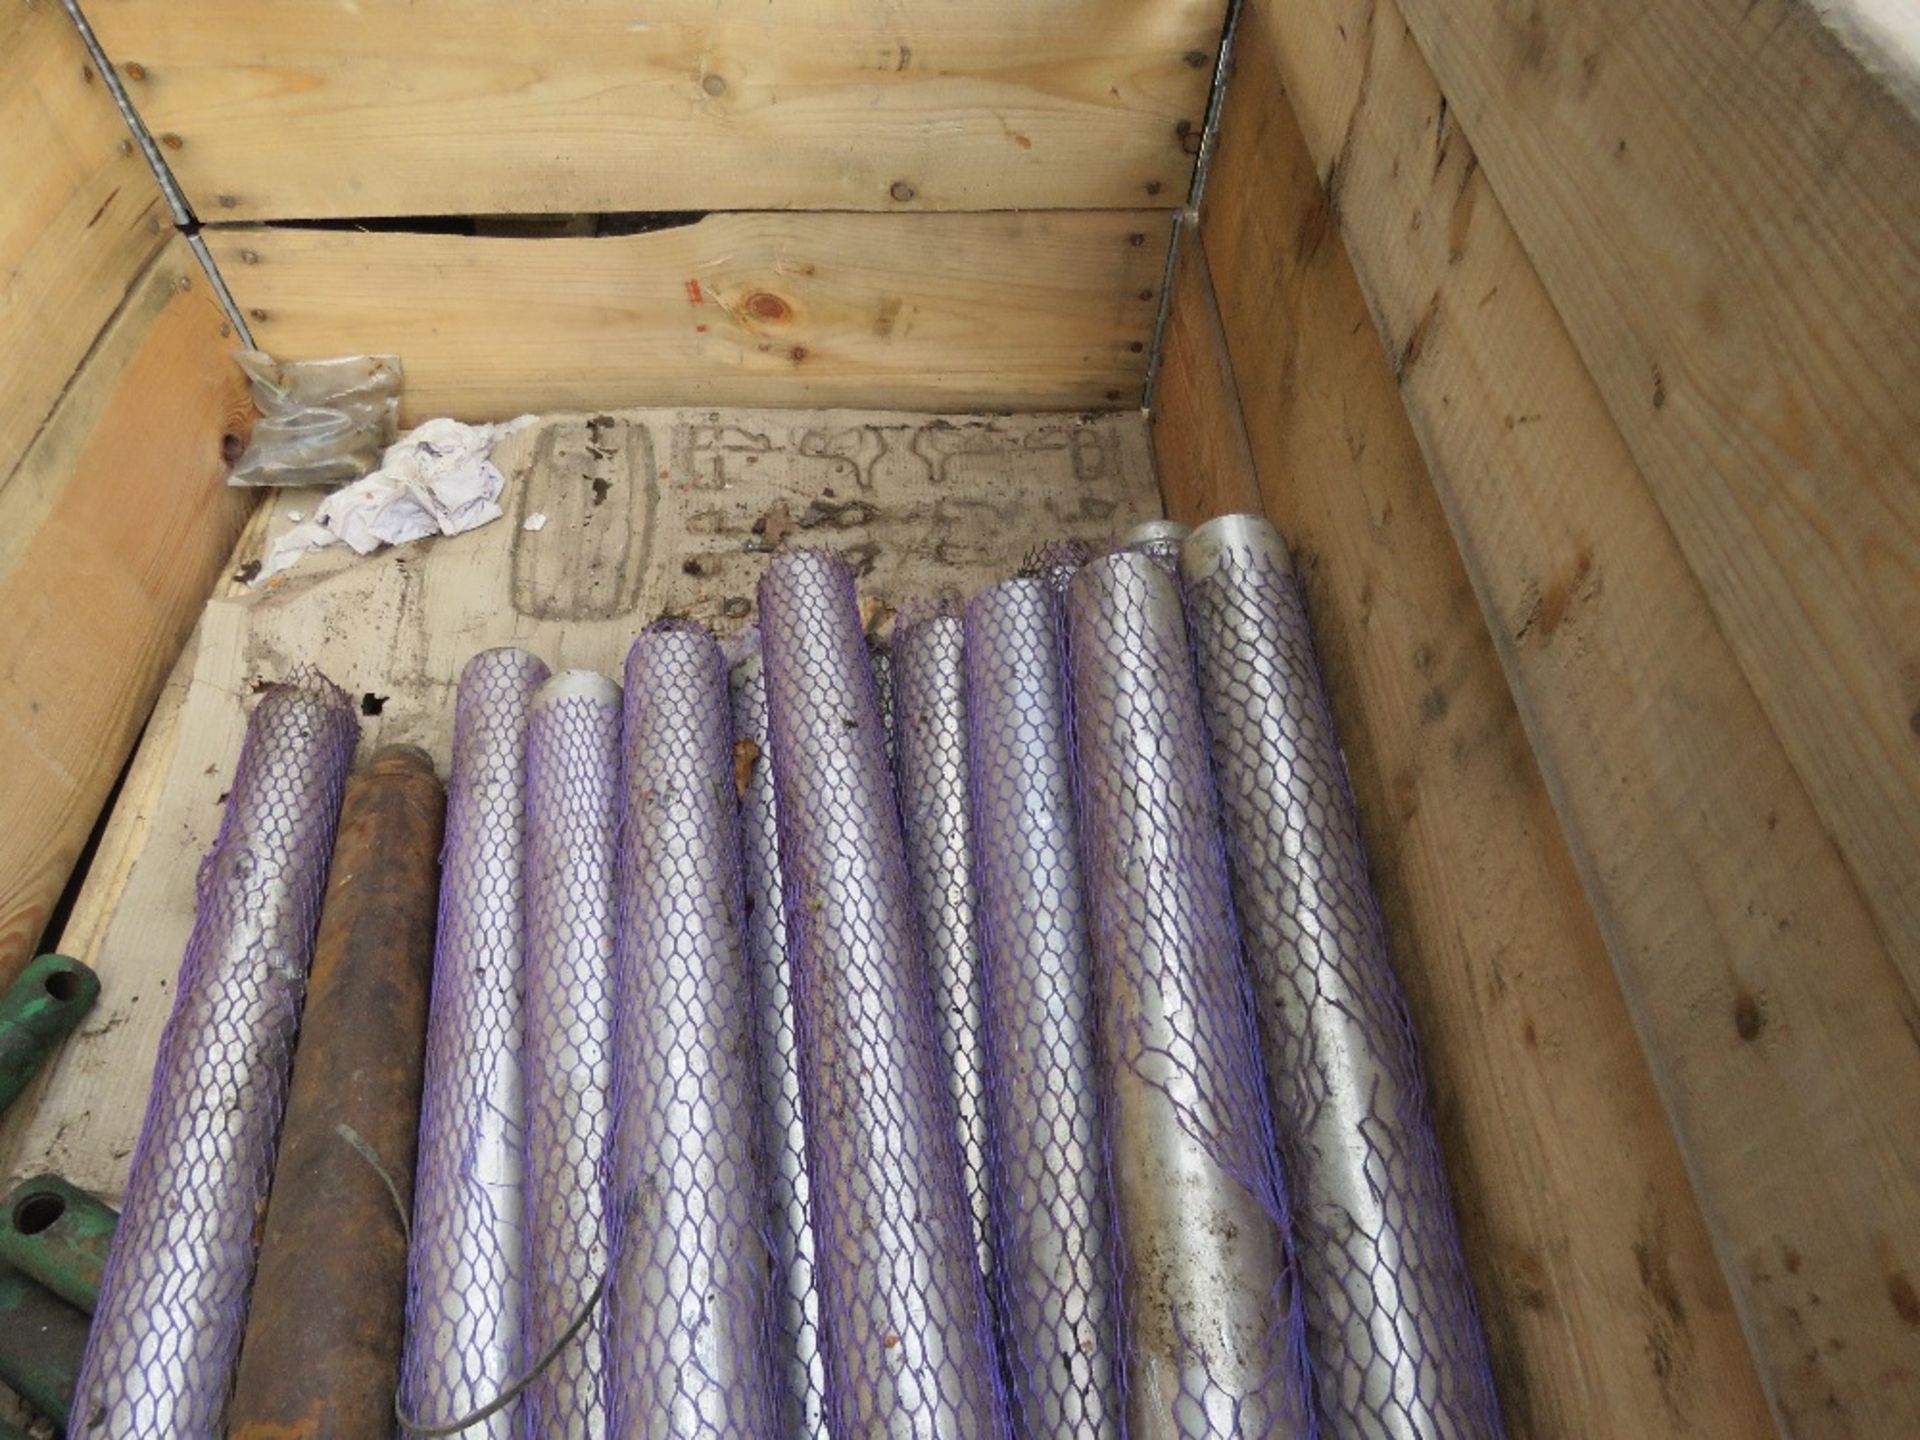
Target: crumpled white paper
x=436 y=479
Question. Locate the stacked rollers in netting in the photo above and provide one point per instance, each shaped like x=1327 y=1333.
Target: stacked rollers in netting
x=1012 y=1050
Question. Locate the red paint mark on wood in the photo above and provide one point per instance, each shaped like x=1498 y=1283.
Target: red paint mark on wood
x=694 y=295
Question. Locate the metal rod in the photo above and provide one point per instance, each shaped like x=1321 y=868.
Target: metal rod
x=59 y=1235
x=1391 y=1320
x=573 y=806
x=173 y=1300
x=1057 y=1293
x=910 y=1351
x=798 y=1343
x=690 y=1317
x=322 y=1349
x=1211 y=1320
x=930 y=728
x=466 y=1265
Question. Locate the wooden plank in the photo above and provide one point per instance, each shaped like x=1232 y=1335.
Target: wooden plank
x=81 y=216
x=648 y=510
x=111 y=531
x=1724 y=203
x=1782 y=1036
x=1604 y=1304
x=295 y=108
x=928 y=312
x=1199 y=439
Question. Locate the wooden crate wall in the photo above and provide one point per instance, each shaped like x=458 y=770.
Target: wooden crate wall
x=1579 y=352
x=116 y=399
x=954 y=205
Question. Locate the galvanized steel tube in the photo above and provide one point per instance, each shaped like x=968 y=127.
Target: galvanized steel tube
x=797 y=1343
x=910 y=1350
x=930 y=747
x=1396 y=1341
x=467 y=1260
x=573 y=802
x=1211 y=1322
x=1056 y=562
x=1159 y=540
x=690 y=1317
x=166 y=1333
x=1054 y=1280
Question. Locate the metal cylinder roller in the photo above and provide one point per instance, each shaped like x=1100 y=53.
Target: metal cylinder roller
x=573 y=801
x=1210 y=1318
x=798 y=1340
x=465 y=1268
x=1395 y=1338
x=930 y=748
x=690 y=1314
x=1054 y=1281
x=910 y=1351
x=166 y=1333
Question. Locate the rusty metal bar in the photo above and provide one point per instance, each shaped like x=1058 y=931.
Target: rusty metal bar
x=321 y=1355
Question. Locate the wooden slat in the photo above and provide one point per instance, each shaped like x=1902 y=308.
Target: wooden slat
x=1724 y=204
x=111 y=531
x=1604 y=1304
x=932 y=312
x=409 y=107
x=79 y=216
x=1781 y=1033
x=1199 y=439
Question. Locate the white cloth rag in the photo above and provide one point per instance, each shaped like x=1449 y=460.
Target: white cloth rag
x=437 y=479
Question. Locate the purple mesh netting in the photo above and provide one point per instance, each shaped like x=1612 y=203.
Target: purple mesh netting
x=930 y=728
x=166 y=1332
x=689 y=1320
x=1056 y=562
x=1054 y=1281
x=465 y=1265
x=573 y=799
x=1159 y=540
x=798 y=1343
x=1213 y=1342
x=1391 y=1321
x=910 y=1351
x=881 y=653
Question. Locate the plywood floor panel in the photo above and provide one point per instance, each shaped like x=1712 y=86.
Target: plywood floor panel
x=648 y=511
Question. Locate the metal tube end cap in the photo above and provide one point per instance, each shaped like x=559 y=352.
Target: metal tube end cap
x=1203 y=552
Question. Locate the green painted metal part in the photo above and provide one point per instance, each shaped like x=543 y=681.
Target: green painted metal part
x=59 y=1235
x=42 y=1339
x=39 y=1010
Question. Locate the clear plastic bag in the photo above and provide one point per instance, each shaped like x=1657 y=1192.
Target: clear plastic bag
x=322 y=422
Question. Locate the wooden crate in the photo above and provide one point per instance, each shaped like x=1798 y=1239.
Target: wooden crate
x=1576 y=350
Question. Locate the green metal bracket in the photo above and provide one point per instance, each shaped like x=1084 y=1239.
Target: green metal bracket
x=42 y=1339
x=39 y=1010
x=59 y=1235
